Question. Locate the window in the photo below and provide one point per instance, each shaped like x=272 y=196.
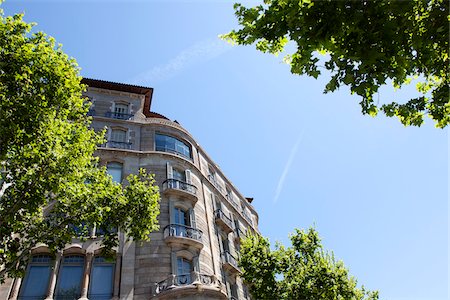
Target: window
x=102 y=279
x=118 y=135
x=69 y=278
x=179 y=175
x=170 y=144
x=120 y=109
x=181 y=217
x=115 y=170
x=36 y=280
x=184 y=269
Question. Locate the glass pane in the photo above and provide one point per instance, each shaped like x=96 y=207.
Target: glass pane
x=171 y=144
x=115 y=170
x=179 y=175
x=36 y=282
x=101 y=285
x=69 y=282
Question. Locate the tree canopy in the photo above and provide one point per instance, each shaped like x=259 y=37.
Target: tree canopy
x=303 y=271
x=51 y=184
x=366 y=44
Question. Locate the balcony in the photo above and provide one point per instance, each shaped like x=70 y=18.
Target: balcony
x=119 y=116
x=177 y=234
x=118 y=145
x=213 y=180
x=180 y=188
x=247 y=217
x=232 y=200
x=223 y=221
x=239 y=234
x=229 y=262
x=185 y=284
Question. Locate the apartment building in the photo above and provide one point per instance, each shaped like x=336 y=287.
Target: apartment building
x=203 y=216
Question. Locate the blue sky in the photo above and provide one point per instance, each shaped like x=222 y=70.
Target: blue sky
x=376 y=191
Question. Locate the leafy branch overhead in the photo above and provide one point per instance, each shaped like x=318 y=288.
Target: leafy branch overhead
x=303 y=271
x=50 y=181
x=368 y=44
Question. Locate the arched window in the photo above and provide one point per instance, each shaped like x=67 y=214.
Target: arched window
x=36 y=280
x=69 y=278
x=102 y=279
x=115 y=170
x=184 y=269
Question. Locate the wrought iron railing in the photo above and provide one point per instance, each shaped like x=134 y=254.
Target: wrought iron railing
x=179 y=185
x=240 y=233
x=219 y=214
x=247 y=217
x=118 y=145
x=228 y=258
x=178 y=230
x=173 y=151
x=232 y=200
x=174 y=281
x=118 y=115
x=213 y=180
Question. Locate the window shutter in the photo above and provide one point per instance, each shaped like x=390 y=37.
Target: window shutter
x=188 y=176
x=196 y=262
x=169 y=171
x=174 y=262
x=192 y=217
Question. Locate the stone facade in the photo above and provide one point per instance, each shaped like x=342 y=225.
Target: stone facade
x=203 y=216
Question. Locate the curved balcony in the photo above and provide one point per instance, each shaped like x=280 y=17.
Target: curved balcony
x=177 y=234
x=229 y=262
x=180 y=188
x=223 y=221
x=177 y=286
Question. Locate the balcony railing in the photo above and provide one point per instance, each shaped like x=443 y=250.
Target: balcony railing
x=247 y=216
x=173 y=151
x=229 y=259
x=178 y=230
x=222 y=218
x=193 y=278
x=118 y=145
x=232 y=200
x=213 y=180
x=179 y=185
x=240 y=234
x=117 y=115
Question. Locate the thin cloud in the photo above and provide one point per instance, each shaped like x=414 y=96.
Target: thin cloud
x=287 y=167
x=199 y=52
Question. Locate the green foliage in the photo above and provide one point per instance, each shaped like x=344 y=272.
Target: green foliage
x=50 y=181
x=368 y=43
x=303 y=271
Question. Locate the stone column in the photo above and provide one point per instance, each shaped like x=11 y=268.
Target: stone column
x=53 y=276
x=86 y=276
x=117 y=276
x=15 y=289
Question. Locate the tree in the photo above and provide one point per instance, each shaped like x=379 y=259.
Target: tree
x=51 y=185
x=304 y=271
x=367 y=44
